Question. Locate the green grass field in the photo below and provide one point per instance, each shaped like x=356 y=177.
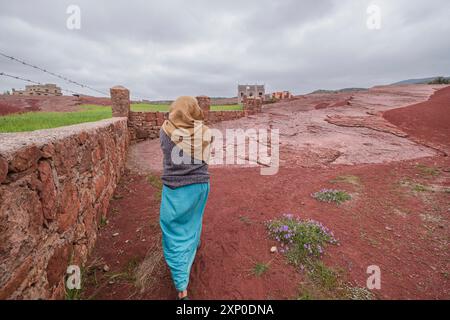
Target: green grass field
x=231 y=107
x=145 y=107
x=31 y=121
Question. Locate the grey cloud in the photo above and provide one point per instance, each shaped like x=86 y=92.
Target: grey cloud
x=162 y=49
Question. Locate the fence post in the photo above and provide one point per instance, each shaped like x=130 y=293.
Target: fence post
x=205 y=104
x=120 y=98
x=249 y=105
x=258 y=104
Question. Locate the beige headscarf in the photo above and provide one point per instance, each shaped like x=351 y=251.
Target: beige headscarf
x=186 y=129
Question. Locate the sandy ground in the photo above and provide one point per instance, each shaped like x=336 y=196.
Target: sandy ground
x=398 y=218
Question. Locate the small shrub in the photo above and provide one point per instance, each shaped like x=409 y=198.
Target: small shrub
x=302 y=241
x=331 y=195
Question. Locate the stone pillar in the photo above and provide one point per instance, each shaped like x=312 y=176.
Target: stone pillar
x=249 y=105
x=205 y=104
x=120 y=98
x=258 y=104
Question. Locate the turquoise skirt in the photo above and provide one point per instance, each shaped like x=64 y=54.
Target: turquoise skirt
x=181 y=216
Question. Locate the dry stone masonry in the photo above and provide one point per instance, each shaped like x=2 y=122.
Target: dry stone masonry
x=146 y=125
x=120 y=99
x=55 y=186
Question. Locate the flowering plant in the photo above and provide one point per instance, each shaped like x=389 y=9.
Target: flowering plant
x=300 y=239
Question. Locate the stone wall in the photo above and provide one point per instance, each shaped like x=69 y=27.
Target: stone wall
x=252 y=105
x=55 y=187
x=146 y=125
x=218 y=116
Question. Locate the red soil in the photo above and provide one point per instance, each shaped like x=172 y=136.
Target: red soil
x=7 y=109
x=15 y=104
x=381 y=226
x=428 y=121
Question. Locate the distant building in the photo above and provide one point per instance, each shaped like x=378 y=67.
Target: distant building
x=281 y=95
x=250 y=90
x=48 y=89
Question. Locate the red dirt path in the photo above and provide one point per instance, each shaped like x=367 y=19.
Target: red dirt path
x=382 y=226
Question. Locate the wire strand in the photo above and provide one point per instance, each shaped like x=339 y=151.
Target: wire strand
x=52 y=73
x=32 y=81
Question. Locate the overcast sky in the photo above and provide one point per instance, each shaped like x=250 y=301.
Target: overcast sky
x=163 y=49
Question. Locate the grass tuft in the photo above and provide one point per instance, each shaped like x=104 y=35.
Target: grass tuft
x=349 y=179
x=103 y=221
x=260 y=268
x=428 y=171
x=155 y=182
x=331 y=195
x=420 y=188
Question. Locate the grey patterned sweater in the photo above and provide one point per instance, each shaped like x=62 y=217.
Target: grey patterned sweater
x=179 y=175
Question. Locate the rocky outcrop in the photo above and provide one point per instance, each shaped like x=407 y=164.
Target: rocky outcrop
x=371 y=122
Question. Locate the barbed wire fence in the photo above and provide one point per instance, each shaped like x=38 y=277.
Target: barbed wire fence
x=59 y=76
x=52 y=73
x=34 y=82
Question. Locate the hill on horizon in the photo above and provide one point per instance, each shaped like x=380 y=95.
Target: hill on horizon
x=418 y=81
x=338 y=91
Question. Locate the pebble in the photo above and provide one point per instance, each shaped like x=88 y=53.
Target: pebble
x=388 y=228
x=115 y=234
x=273 y=249
x=106 y=268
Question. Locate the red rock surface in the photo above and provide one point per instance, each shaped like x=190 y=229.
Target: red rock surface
x=372 y=122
